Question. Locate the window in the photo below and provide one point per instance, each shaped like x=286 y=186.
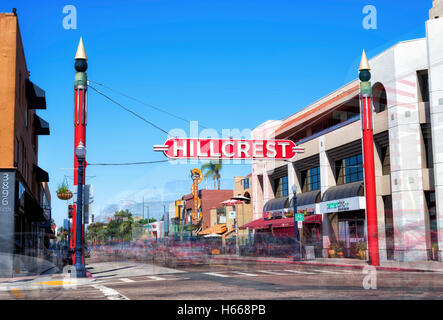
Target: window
x=281 y=187
x=386 y=161
x=423 y=86
x=350 y=169
x=427 y=139
x=311 y=179
x=16 y=152
x=245 y=183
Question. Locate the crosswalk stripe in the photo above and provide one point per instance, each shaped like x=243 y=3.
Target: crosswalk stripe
x=126 y=280
x=299 y=272
x=245 y=274
x=216 y=274
x=273 y=273
x=156 y=278
x=110 y=293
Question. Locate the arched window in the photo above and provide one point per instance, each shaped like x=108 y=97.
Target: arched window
x=379 y=97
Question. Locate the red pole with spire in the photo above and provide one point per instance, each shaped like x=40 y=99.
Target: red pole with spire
x=80 y=117
x=366 y=117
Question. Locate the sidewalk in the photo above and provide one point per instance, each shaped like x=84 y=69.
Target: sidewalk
x=421 y=266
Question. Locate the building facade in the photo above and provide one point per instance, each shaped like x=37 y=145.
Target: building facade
x=407 y=88
x=26 y=202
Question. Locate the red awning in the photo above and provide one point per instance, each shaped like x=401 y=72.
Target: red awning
x=257 y=224
x=279 y=223
x=315 y=218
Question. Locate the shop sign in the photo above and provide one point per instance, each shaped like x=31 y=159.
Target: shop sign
x=229 y=149
x=300 y=217
x=348 y=204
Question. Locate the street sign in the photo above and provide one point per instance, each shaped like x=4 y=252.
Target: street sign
x=300 y=217
x=300 y=224
x=231 y=214
x=229 y=149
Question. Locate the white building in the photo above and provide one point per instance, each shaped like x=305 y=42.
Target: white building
x=407 y=82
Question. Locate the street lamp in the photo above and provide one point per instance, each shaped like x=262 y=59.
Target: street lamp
x=297 y=255
x=80 y=153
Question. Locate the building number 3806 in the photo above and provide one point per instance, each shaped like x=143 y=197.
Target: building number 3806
x=5 y=189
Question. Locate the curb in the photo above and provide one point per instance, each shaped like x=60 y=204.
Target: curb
x=326 y=264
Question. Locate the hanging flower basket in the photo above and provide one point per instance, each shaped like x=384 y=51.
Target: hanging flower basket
x=64 y=195
x=63 y=192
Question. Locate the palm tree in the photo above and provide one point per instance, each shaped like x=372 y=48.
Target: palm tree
x=213 y=169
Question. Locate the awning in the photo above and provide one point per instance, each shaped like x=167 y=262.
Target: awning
x=41 y=127
x=344 y=191
x=307 y=202
x=218 y=229
x=231 y=202
x=276 y=208
x=276 y=204
x=256 y=224
x=279 y=223
x=35 y=96
x=41 y=175
x=33 y=210
x=307 y=198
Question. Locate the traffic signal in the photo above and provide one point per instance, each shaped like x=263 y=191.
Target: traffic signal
x=70 y=211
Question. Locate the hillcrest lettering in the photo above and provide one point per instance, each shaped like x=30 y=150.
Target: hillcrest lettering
x=229 y=149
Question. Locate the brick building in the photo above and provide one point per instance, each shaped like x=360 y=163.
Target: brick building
x=25 y=219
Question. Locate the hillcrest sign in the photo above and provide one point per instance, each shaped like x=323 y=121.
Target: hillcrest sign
x=229 y=149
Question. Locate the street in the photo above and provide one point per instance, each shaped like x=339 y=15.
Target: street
x=225 y=280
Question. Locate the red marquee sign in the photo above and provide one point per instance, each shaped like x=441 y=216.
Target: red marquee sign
x=229 y=149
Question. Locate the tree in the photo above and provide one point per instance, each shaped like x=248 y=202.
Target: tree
x=213 y=169
x=96 y=232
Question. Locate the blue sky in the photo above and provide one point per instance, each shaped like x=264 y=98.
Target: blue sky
x=228 y=64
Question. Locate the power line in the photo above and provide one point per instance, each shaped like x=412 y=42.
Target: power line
x=144 y=103
x=130 y=111
x=127 y=163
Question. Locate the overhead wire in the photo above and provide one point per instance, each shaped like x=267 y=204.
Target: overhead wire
x=144 y=103
x=128 y=110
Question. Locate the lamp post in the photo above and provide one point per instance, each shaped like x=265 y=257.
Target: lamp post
x=80 y=153
x=297 y=255
x=366 y=116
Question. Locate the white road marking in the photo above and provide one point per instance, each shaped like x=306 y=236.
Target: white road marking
x=109 y=293
x=273 y=273
x=325 y=271
x=349 y=271
x=299 y=272
x=245 y=274
x=156 y=278
x=126 y=280
x=216 y=274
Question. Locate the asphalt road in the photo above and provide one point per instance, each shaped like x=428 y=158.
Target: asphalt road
x=224 y=280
